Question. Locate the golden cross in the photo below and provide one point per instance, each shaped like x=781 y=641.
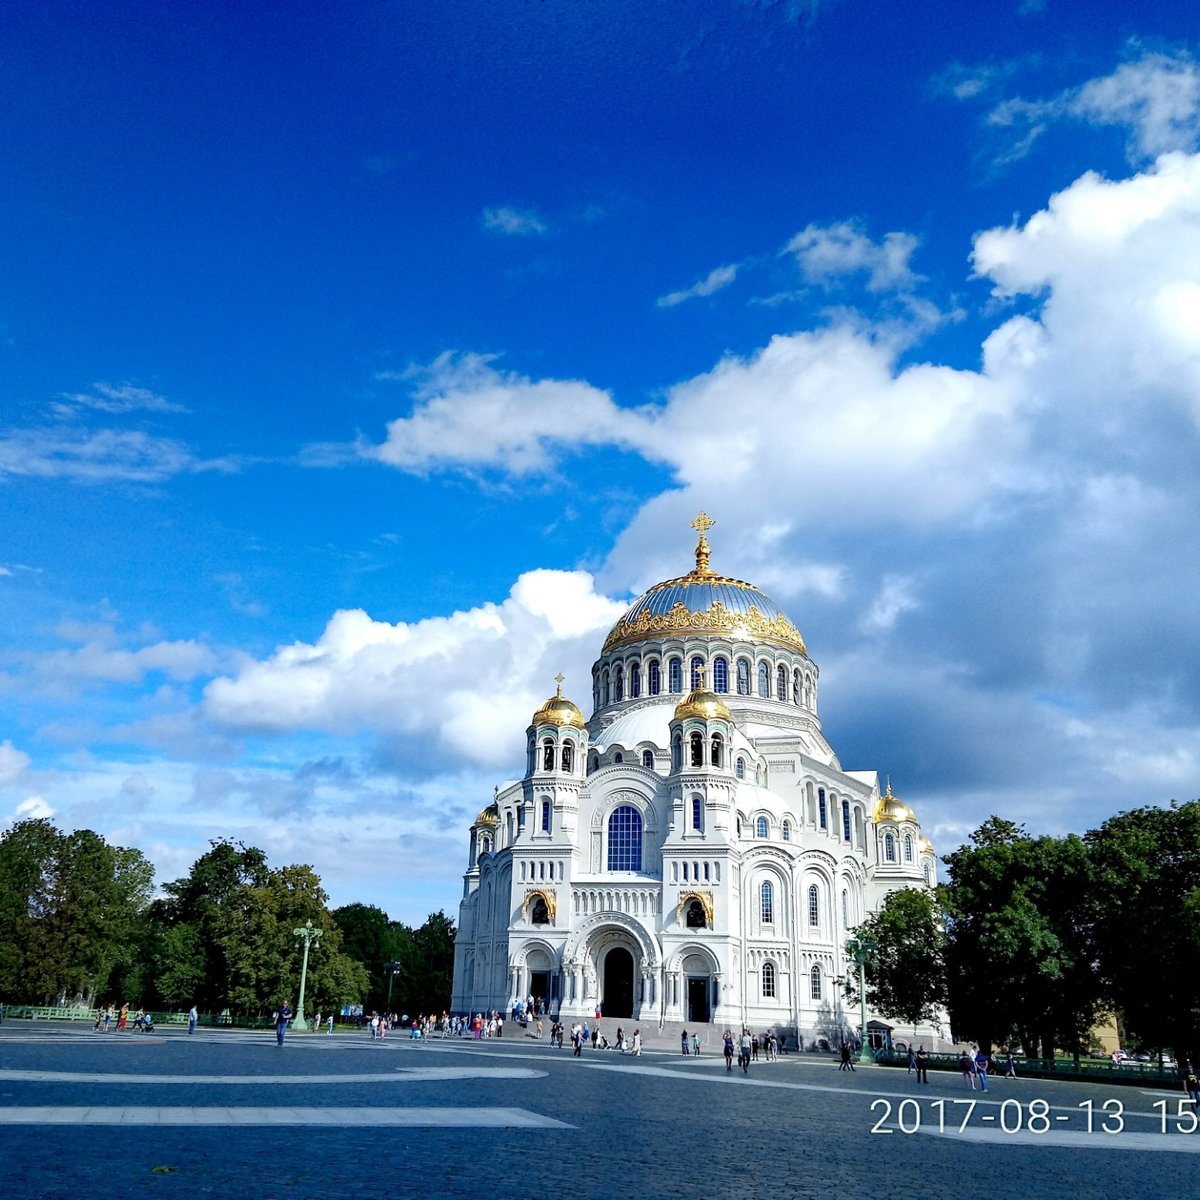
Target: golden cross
x=703 y=523
x=559 y=680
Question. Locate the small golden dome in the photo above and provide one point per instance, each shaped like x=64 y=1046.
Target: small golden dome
x=702 y=703
x=892 y=808
x=488 y=816
x=558 y=710
x=925 y=845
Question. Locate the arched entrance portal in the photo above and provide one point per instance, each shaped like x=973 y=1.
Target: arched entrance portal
x=617 y=996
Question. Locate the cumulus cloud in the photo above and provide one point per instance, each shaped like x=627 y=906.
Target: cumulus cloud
x=469 y=681
x=714 y=281
x=13 y=764
x=829 y=253
x=513 y=222
x=1155 y=96
x=34 y=808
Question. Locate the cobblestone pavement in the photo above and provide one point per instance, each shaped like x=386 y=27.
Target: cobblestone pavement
x=229 y=1114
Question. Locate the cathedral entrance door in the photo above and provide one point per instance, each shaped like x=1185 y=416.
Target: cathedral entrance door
x=618 y=983
x=697 y=1000
x=539 y=985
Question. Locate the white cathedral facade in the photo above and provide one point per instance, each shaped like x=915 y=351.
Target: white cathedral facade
x=694 y=852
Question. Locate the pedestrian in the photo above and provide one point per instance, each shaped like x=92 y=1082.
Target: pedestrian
x=576 y=1039
x=727 y=1046
x=967 y=1066
x=696 y=1044
x=374 y=1026
x=637 y=1043
x=847 y=1063
x=922 y=1065
x=981 y=1069
x=193 y=1017
x=1191 y=1083
x=683 y=1042
x=744 y=1057
x=912 y=1061
x=108 y=1016
x=329 y=1022
x=1010 y=1067
x=595 y=1034
x=317 y=1022
x=754 y=1047
x=283 y=1014
x=99 y=1018
x=123 y=1017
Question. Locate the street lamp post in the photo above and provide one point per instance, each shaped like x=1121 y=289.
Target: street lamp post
x=861 y=949
x=392 y=968
x=310 y=937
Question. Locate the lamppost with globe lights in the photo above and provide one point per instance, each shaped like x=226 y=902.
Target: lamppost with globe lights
x=861 y=950
x=310 y=936
x=393 y=969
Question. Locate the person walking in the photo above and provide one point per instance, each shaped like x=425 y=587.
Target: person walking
x=745 y=1055
x=193 y=1017
x=123 y=1018
x=981 y=1069
x=683 y=1043
x=637 y=1043
x=847 y=1063
x=696 y=1044
x=912 y=1061
x=329 y=1022
x=283 y=1014
x=1010 y=1067
x=727 y=1040
x=967 y=1066
x=108 y=1016
x=922 y=1061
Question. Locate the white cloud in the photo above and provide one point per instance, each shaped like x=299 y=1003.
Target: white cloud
x=469 y=681
x=514 y=222
x=827 y=253
x=13 y=764
x=93 y=456
x=897 y=595
x=123 y=398
x=34 y=808
x=714 y=281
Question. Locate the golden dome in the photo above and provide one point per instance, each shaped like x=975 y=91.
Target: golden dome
x=925 y=845
x=703 y=602
x=892 y=808
x=558 y=710
x=702 y=703
x=488 y=816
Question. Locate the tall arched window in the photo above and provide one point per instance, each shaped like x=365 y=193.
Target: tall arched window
x=768 y=981
x=846 y=820
x=740 y=769
x=635 y=681
x=787 y=831
x=605 y=690
x=547 y=755
x=655 y=674
x=814 y=905
x=814 y=983
x=766 y=895
x=889 y=847
x=697 y=813
x=743 y=676
x=761 y=829
x=697 y=670
x=540 y=914
x=568 y=755
x=717 y=741
x=648 y=759
x=546 y=809
x=720 y=674
x=696 y=746
x=845 y=908
x=764 y=679
x=619 y=684
x=675 y=675
x=485 y=846
x=781 y=683
x=822 y=811
x=677 y=753
x=926 y=872
x=797 y=695
x=908 y=847
x=625 y=839
x=593 y=762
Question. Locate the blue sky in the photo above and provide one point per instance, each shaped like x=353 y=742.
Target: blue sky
x=360 y=363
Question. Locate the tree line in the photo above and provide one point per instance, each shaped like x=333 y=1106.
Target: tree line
x=1031 y=940
x=80 y=923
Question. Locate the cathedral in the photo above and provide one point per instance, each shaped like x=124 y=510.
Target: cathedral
x=695 y=851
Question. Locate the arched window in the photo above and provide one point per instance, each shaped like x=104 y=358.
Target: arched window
x=845 y=908
x=593 y=762
x=618 y=757
x=768 y=981
x=781 y=683
x=814 y=983
x=604 y=688
x=926 y=872
x=625 y=839
x=696 y=745
x=761 y=829
x=787 y=831
x=764 y=679
x=743 y=677
x=655 y=676
x=822 y=812
x=846 y=820
x=547 y=755
x=619 y=684
x=697 y=670
x=635 y=681
x=546 y=809
x=717 y=742
x=740 y=769
x=675 y=675
x=720 y=674
x=889 y=847
x=648 y=759
x=485 y=846
x=540 y=914
x=766 y=895
x=677 y=753
x=568 y=755
x=695 y=918
x=797 y=695
x=814 y=905
x=908 y=849
x=697 y=813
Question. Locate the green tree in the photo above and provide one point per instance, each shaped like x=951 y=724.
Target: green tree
x=369 y=938
x=1147 y=906
x=906 y=976
x=1021 y=953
